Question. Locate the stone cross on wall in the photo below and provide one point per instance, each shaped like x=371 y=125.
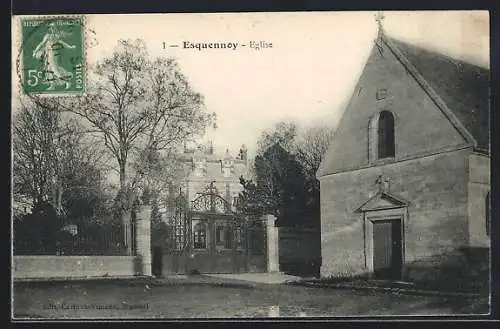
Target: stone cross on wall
x=383 y=183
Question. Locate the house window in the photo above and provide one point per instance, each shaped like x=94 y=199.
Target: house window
x=219 y=235
x=226 y=172
x=488 y=214
x=385 y=134
x=200 y=236
x=228 y=237
x=240 y=237
x=224 y=236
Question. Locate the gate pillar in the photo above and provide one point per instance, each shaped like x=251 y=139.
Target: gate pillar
x=272 y=243
x=143 y=239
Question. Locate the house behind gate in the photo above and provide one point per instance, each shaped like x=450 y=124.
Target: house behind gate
x=405 y=184
x=206 y=233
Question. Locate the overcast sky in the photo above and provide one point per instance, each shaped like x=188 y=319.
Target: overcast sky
x=306 y=76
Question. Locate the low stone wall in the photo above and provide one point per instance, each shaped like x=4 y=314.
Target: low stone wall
x=25 y=267
x=204 y=262
x=300 y=251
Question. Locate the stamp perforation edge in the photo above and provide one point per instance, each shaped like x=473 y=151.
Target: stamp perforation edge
x=20 y=46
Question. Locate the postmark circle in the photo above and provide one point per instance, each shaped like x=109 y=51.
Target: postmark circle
x=51 y=57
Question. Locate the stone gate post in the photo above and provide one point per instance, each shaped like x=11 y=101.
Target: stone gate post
x=273 y=263
x=143 y=239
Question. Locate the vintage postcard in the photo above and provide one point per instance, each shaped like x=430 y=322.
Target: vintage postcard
x=251 y=165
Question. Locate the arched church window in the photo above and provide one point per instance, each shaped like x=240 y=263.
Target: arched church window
x=200 y=236
x=385 y=134
x=488 y=214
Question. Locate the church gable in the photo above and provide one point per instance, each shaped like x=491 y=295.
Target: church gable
x=420 y=126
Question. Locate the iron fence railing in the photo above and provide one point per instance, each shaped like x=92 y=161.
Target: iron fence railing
x=94 y=240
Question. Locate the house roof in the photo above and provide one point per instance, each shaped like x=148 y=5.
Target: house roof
x=213 y=166
x=462 y=86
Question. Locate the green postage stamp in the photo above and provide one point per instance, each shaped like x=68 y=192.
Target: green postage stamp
x=53 y=55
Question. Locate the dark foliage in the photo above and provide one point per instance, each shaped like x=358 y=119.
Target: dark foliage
x=37 y=231
x=43 y=233
x=281 y=188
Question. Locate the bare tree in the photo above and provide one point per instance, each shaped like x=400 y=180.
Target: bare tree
x=282 y=133
x=33 y=149
x=50 y=155
x=311 y=146
x=137 y=105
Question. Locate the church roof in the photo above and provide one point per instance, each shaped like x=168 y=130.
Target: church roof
x=462 y=86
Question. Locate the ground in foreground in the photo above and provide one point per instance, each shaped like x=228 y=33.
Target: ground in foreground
x=133 y=299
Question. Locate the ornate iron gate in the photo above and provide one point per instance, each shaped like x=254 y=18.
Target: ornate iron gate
x=209 y=237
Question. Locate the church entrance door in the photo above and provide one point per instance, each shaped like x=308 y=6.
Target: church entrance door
x=387 y=249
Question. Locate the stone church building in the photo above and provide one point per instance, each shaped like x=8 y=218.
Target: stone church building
x=405 y=183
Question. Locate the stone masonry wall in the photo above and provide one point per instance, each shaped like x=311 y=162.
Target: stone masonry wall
x=479 y=186
x=437 y=189
x=421 y=127
x=29 y=267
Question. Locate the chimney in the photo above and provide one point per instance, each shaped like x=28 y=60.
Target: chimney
x=210 y=147
x=243 y=153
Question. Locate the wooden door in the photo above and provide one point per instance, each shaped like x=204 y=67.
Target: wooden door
x=387 y=249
